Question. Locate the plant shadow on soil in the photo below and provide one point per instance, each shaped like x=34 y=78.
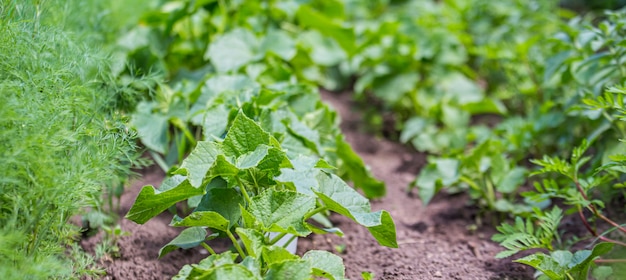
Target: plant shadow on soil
x=434 y=241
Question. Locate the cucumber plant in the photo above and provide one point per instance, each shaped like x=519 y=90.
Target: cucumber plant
x=248 y=186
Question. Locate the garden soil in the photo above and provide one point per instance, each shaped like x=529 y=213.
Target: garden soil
x=440 y=241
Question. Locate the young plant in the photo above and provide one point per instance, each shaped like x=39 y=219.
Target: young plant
x=577 y=194
x=249 y=188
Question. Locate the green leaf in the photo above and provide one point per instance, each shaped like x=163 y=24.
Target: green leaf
x=367 y=275
x=232 y=50
x=323 y=51
x=215 y=122
x=461 y=89
x=150 y=202
x=252 y=159
x=228 y=271
x=441 y=172
x=188 y=238
x=325 y=264
x=151 y=127
x=342 y=199
x=428 y=183
x=512 y=180
x=308 y=17
x=282 y=211
x=302 y=176
x=289 y=270
x=583 y=259
x=485 y=106
x=204 y=219
x=279 y=43
x=244 y=136
x=563 y=258
x=224 y=201
x=252 y=239
x=276 y=254
x=602 y=272
x=357 y=170
x=412 y=128
x=221 y=167
x=544 y=263
x=212 y=261
x=199 y=161
x=310 y=137
x=393 y=87
x=252 y=264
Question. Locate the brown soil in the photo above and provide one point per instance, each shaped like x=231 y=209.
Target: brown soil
x=435 y=241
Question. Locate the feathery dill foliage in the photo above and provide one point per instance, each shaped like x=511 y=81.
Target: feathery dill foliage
x=62 y=139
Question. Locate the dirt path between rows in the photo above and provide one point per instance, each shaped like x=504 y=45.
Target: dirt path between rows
x=435 y=241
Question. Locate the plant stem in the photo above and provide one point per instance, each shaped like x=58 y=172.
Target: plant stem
x=491 y=195
x=584 y=220
x=595 y=211
x=256 y=184
x=224 y=11
x=243 y=190
x=315 y=211
x=236 y=244
x=471 y=183
x=594 y=233
x=277 y=238
x=208 y=248
x=293 y=237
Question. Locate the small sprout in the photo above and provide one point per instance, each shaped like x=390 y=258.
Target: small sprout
x=341 y=248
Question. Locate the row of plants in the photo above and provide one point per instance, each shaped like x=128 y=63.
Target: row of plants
x=483 y=87
x=250 y=150
x=65 y=143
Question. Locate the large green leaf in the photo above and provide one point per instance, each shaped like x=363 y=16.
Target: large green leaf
x=224 y=201
x=302 y=175
x=200 y=160
x=583 y=259
x=252 y=240
x=341 y=198
x=276 y=254
x=559 y=263
x=393 y=87
x=151 y=202
x=188 y=238
x=544 y=263
x=289 y=270
x=228 y=271
x=252 y=159
x=151 y=127
x=282 y=211
x=232 y=50
x=323 y=51
x=244 y=136
x=325 y=264
x=279 y=43
x=358 y=171
x=511 y=180
x=204 y=219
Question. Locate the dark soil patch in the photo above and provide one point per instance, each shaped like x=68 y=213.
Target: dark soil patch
x=435 y=241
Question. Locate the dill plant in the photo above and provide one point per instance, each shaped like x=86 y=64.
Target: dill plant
x=63 y=139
